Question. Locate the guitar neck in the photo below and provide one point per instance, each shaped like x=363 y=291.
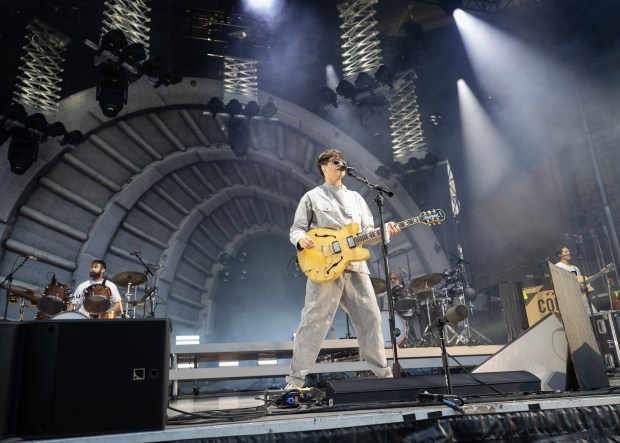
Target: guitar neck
x=367 y=236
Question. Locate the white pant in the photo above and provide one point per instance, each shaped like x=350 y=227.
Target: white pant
x=354 y=292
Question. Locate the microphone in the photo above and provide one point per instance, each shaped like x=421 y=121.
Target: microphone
x=453 y=315
x=135 y=253
x=346 y=168
x=30 y=257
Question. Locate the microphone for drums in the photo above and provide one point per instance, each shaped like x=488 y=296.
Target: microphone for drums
x=135 y=253
x=453 y=315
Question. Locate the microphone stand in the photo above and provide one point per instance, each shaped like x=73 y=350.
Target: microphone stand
x=444 y=356
x=147 y=271
x=9 y=279
x=396 y=368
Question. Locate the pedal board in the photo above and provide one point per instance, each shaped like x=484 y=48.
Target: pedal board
x=292 y=398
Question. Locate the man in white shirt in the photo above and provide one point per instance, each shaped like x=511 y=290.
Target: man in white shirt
x=97 y=271
x=563 y=254
x=332 y=205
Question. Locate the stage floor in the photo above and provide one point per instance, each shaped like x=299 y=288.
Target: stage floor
x=234 y=416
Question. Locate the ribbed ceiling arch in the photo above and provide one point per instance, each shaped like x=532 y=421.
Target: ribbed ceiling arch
x=164 y=181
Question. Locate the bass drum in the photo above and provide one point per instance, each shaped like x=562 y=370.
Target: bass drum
x=400 y=331
x=69 y=316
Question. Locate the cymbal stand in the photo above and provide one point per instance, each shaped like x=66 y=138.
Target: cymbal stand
x=128 y=295
x=8 y=281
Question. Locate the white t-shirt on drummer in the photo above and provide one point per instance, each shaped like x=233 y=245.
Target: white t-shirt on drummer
x=78 y=294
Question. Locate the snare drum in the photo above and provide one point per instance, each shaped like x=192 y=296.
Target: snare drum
x=400 y=331
x=69 y=316
x=55 y=299
x=97 y=299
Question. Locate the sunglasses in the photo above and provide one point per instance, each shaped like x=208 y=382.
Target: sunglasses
x=339 y=162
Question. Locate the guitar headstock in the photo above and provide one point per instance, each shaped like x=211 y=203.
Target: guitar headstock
x=611 y=267
x=432 y=217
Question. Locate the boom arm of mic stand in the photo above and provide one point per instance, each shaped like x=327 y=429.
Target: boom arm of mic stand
x=374 y=186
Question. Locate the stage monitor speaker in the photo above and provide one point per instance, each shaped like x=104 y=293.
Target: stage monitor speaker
x=407 y=388
x=8 y=352
x=541 y=350
x=81 y=377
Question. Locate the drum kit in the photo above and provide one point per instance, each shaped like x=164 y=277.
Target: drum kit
x=59 y=301
x=423 y=301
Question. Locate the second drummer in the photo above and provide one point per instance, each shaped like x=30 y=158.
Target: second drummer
x=97 y=271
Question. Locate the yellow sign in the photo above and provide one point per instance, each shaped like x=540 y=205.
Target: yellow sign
x=539 y=303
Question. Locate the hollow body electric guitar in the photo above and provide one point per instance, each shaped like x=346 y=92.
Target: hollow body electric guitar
x=335 y=249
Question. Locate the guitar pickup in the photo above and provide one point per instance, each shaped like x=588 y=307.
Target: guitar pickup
x=336 y=247
x=350 y=242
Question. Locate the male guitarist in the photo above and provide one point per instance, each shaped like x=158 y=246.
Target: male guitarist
x=563 y=253
x=332 y=205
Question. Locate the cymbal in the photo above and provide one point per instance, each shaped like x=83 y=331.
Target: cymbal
x=135 y=302
x=28 y=294
x=378 y=285
x=425 y=281
x=133 y=277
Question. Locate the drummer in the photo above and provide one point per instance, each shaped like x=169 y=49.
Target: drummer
x=396 y=282
x=97 y=271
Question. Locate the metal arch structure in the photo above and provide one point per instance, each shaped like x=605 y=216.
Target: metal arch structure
x=164 y=180
x=484 y=5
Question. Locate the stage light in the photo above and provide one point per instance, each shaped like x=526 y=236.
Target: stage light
x=56 y=129
x=243 y=256
x=364 y=82
x=215 y=105
x=251 y=109
x=37 y=122
x=346 y=89
x=113 y=40
x=269 y=110
x=233 y=107
x=23 y=152
x=72 y=138
x=414 y=163
x=243 y=274
x=17 y=113
x=239 y=137
x=436 y=119
x=328 y=96
x=134 y=54
x=225 y=276
x=225 y=259
x=384 y=76
x=431 y=159
x=112 y=94
x=383 y=171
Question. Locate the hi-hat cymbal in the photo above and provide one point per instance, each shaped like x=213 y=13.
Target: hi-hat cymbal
x=425 y=281
x=135 y=302
x=133 y=277
x=378 y=285
x=30 y=295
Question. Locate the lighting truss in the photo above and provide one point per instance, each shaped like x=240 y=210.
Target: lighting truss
x=240 y=79
x=360 y=47
x=405 y=122
x=130 y=17
x=39 y=80
x=484 y=5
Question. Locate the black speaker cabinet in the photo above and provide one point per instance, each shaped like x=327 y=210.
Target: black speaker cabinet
x=8 y=352
x=84 y=377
